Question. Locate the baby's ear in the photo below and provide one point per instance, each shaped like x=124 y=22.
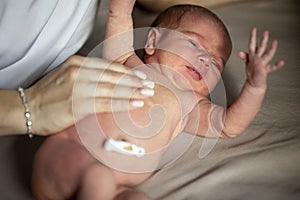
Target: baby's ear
x=152 y=40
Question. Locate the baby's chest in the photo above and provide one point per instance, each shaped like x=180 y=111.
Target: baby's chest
x=152 y=132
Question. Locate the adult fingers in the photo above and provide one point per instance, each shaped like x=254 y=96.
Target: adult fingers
x=113 y=77
x=97 y=63
x=102 y=105
x=110 y=91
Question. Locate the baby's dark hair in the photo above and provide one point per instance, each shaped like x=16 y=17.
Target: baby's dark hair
x=171 y=18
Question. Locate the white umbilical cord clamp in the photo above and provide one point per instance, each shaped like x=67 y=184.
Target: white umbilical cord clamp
x=123 y=147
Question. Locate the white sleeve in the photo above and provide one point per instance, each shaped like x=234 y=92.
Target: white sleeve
x=38 y=35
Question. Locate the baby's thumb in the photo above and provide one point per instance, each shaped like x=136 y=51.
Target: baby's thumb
x=243 y=55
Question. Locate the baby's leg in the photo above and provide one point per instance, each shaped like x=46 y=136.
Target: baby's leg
x=126 y=193
x=97 y=183
x=64 y=169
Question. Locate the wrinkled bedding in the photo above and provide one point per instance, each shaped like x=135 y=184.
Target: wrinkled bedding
x=262 y=163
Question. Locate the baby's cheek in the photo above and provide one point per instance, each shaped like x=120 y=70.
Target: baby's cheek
x=181 y=78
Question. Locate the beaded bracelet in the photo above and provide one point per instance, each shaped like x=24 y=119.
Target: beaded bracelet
x=27 y=112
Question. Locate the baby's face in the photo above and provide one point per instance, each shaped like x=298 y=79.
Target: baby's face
x=195 y=51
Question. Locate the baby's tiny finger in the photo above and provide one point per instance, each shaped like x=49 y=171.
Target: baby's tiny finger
x=252 y=42
x=243 y=56
x=271 y=52
x=276 y=66
x=263 y=43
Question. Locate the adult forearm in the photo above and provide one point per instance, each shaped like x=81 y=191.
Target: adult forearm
x=12 y=119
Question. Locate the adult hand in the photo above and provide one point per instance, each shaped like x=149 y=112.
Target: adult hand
x=51 y=100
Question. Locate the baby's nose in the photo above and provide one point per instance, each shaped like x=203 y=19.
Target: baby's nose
x=204 y=60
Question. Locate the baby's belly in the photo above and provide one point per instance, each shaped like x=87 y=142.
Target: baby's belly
x=152 y=137
x=154 y=145
x=151 y=128
x=123 y=176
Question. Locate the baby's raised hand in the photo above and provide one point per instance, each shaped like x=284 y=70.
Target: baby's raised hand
x=258 y=59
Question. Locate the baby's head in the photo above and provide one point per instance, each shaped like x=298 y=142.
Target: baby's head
x=199 y=39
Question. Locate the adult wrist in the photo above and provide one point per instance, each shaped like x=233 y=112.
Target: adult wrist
x=27 y=114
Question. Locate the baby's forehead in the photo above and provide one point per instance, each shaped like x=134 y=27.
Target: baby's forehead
x=188 y=38
x=190 y=17
x=202 y=21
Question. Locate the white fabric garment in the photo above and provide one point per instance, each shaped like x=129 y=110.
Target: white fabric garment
x=38 y=35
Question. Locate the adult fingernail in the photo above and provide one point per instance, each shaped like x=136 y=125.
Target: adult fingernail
x=137 y=103
x=147 y=92
x=148 y=84
x=140 y=74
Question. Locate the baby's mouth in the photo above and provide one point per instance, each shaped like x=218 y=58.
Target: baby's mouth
x=194 y=73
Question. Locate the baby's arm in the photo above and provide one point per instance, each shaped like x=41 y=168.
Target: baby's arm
x=118 y=45
x=243 y=110
x=240 y=114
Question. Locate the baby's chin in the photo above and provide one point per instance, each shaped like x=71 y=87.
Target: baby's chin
x=200 y=88
x=182 y=82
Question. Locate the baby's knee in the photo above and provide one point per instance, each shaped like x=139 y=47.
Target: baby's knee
x=97 y=182
x=132 y=195
x=101 y=176
x=56 y=169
